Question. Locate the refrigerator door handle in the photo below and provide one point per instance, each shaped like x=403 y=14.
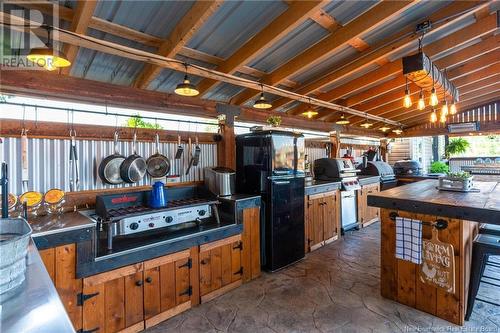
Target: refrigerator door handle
x=281 y=182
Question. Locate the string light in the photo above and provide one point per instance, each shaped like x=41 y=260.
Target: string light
x=407 y=99
x=453 y=107
x=433 y=116
x=433 y=99
x=421 y=101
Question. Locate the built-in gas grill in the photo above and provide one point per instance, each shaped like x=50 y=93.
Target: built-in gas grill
x=128 y=214
x=383 y=170
x=343 y=170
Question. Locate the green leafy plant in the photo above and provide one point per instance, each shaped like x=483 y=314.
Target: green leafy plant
x=456 y=146
x=439 y=167
x=136 y=121
x=459 y=175
x=274 y=121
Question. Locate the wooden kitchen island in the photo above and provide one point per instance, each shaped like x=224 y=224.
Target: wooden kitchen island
x=399 y=279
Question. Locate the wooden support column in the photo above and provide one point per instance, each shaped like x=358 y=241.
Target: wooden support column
x=226 y=148
x=335 y=145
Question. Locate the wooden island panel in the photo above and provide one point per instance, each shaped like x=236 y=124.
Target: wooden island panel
x=400 y=279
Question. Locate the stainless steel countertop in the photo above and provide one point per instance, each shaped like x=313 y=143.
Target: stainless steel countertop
x=35 y=305
x=57 y=223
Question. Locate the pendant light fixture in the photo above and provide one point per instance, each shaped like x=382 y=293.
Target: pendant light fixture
x=310 y=111
x=407 y=99
x=47 y=57
x=433 y=99
x=398 y=131
x=444 y=108
x=342 y=120
x=384 y=128
x=421 y=101
x=186 y=88
x=366 y=124
x=442 y=118
x=434 y=117
x=262 y=102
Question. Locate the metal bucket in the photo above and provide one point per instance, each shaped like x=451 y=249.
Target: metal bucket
x=14 y=240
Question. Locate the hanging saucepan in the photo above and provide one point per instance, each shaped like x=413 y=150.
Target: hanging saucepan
x=109 y=169
x=133 y=167
x=158 y=165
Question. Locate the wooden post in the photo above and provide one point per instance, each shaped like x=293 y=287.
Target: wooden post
x=335 y=144
x=226 y=148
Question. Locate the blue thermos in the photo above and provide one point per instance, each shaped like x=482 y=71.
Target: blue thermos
x=157 y=199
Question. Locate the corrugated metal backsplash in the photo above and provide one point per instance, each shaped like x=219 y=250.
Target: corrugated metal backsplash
x=49 y=162
x=314 y=153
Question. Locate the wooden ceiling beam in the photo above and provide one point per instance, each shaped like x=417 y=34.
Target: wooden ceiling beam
x=187 y=27
x=296 y=14
x=45 y=84
x=406 y=37
x=325 y=20
x=372 y=19
x=80 y=23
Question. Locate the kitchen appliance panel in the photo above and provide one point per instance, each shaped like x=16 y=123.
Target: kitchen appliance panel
x=348 y=206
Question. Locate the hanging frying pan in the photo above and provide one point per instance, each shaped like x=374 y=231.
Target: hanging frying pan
x=109 y=168
x=133 y=167
x=158 y=165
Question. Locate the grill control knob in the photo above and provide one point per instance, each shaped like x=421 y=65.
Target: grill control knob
x=169 y=219
x=134 y=225
x=151 y=225
x=202 y=212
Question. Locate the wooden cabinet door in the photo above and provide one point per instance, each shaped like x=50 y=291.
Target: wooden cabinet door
x=220 y=267
x=361 y=198
x=330 y=216
x=315 y=223
x=372 y=213
x=167 y=286
x=114 y=300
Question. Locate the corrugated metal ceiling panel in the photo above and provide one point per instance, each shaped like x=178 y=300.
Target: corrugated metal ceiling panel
x=351 y=77
x=233 y=24
x=345 y=11
x=156 y=18
x=300 y=39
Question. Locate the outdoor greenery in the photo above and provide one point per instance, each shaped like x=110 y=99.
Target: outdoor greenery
x=439 y=167
x=136 y=121
x=456 y=146
x=459 y=175
x=274 y=121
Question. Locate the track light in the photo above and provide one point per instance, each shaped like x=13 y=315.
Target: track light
x=421 y=101
x=407 y=99
x=262 y=102
x=186 y=88
x=342 y=120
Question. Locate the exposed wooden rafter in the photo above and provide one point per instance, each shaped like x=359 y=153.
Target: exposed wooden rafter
x=372 y=19
x=296 y=14
x=404 y=38
x=79 y=24
x=194 y=19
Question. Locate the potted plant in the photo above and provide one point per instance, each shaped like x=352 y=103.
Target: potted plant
x=460 y=181
x=439 y=167
x=456 y=146
x=274 y=121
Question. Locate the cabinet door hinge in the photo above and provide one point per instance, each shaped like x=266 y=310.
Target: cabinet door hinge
x=239 y=272
x=81 y=298
x=239 y=246
x=188 y=264
x=188 y=291
x=81 y=330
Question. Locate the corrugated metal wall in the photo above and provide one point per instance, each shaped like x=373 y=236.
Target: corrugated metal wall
x=314 y=153
x=400 y=149
x=49 y=162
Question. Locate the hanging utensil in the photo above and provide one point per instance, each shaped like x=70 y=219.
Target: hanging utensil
x=197 y=152
x=109 y=168
x=133 y=167
x=158 y=165
x=189 y=155
x=74 y=178
x=180 y=149
x=24 y=160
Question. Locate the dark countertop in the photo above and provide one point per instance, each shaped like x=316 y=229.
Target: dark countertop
x=57 y=223
x=418 y=176
x=34 y=306
x=423 y=197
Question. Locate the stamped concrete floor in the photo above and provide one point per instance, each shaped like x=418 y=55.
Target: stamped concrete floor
x=334 y=289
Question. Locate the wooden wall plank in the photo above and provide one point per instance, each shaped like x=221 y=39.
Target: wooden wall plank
x=195 y=276
x=388 y=271
x=236 y=261
x=114 y=303
x=182 y=282
x=94 y=309
x=226 y=264
x=152 y=292
x=49 y=260
x=114 y=274
x=205 y=273
x=216 y=267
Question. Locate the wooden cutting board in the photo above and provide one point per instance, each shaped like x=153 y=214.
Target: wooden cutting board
x=438 y=263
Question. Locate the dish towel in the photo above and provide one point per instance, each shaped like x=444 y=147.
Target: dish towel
x=409 y=240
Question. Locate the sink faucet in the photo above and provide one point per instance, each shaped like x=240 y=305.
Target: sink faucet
x=4 y=181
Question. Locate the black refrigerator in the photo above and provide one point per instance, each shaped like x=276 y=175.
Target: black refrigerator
x=271 y=163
